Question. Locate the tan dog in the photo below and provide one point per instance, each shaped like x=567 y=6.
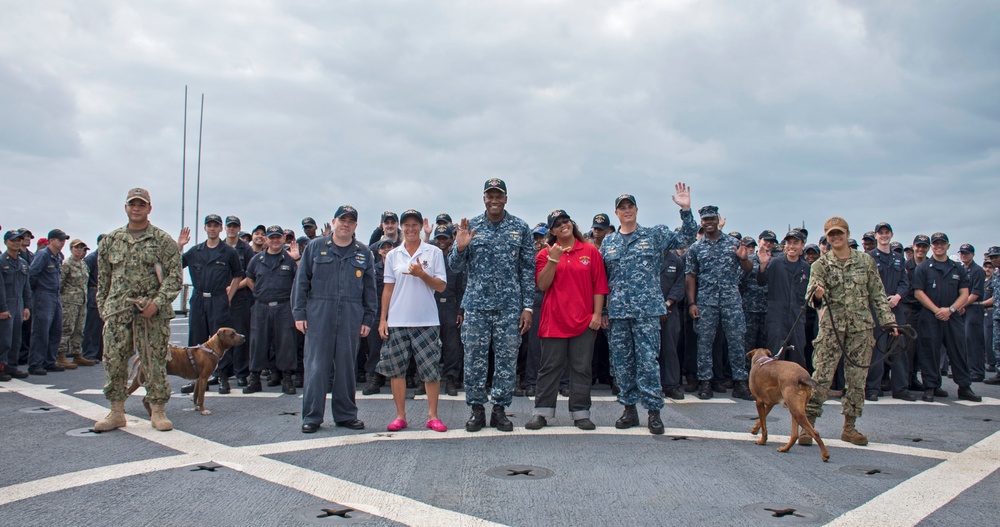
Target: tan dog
x=782 y=382
x=194 y=364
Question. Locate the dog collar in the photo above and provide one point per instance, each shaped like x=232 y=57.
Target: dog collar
x=764 y=360
x=210 y=350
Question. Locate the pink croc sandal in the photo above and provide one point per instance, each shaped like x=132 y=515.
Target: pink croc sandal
x=436 y=425
x=396 y=425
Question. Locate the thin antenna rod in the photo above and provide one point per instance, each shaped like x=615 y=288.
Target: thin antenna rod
x=184 y=155
x=197 y=195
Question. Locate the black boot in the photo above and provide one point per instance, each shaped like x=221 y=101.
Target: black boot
x=299 y=377
x=188 y=388
x=704 y=390
x=742 y=391
x=253 y=383
x=287 y=386
x=275 y=378
x=224 y=388
x=373 y=386
x=629 y=418
x=477 y=420
x=421 y=389
x=450 y=386
x=690 y=383
x=654 y=422
x=499 y=419
x=242 y=382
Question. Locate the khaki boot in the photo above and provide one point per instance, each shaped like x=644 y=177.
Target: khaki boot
x=804 y=438
x=80 y=360
x=851 y=434
x=159 y=419
x=61 y=361
x=116 y=419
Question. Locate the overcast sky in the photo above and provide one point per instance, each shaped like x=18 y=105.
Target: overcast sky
x=778 y=112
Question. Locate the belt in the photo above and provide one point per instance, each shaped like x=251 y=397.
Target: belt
x=276 y=302
x=210 y=295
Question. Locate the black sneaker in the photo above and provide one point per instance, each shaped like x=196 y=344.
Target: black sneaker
x=965 y=393
x=450 y=387
x=187 y=388
x=37 y=371
x=537 y=422
x=905 y=396
x=871 y=396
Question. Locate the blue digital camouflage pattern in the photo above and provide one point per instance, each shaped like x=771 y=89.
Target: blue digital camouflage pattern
x=637 y=371
x=715 y=265
x=754 y=293
x=634 y=268
x=481 y=326
x=730 y=316
x=500 y=262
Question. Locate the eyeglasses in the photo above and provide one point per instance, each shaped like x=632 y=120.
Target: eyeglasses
x=561 y=222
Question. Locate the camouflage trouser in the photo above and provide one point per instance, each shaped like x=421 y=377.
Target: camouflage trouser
x=706 y=325
x=635 y=351
x=74 y=317
x=119 y=348
x=756 y=334
x=478 y=330
x=826 y=356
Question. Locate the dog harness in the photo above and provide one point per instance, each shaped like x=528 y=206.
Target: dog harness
x=764 y=360
x=202 y=347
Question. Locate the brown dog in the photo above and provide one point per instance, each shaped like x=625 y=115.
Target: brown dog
x=195 y=364
x=782 y=382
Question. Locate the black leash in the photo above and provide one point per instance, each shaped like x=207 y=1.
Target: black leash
x=894 y=345
x=791 y=331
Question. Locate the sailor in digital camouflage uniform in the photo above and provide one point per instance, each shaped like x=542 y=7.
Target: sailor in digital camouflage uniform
x=755 y=294
x=845 y=282
x=137 y=262
x=993 y=253
x=714 y=266
x=496 y=251
x=73 y=293
x=632 y=258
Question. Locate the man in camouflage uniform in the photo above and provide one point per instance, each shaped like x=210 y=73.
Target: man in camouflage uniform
x=846 y=282
x=755 y=294
x=495 y=249
x=993 y=253
x=73 y=293
x=713 y=267
x=139 y=276
x=632 y=258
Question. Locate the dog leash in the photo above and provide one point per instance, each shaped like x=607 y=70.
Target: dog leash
x=894 y=345
x=791 y=331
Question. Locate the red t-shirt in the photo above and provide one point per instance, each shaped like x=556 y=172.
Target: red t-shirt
x=568 y=305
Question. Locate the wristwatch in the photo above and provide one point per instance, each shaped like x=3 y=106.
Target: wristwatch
x=952 y=309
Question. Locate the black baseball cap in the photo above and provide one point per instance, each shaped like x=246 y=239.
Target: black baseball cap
x=921 y=239
x=796 y=234
x=259 y=228
x=736 y=234
x=554 y=216
x=233 y=220
x=388 y=215
x=883 y=224
x=811 y=247
x=852 y=243
x=870 y=235
x=443 y=217
x=12 y=234
x=748 y=241
x=967 y=248
x=344 y=210
x=896 y=247
x=495 y=183
x=442 y=231
x=411 y=213
x=274 y=230
x=939 y=237
x=57 y=234
x=213 y=218
x=308 y=222
x=601 y=221
x=768 y=236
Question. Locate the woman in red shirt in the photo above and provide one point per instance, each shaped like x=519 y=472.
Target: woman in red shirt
x=571 y=273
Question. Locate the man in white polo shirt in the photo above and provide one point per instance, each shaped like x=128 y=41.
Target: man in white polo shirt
x=409 y=322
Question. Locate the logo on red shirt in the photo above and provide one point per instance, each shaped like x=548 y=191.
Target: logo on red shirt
x=585 y=260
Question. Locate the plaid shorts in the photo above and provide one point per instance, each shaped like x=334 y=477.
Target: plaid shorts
x=421 y=343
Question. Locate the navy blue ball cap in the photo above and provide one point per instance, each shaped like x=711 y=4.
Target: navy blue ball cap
x=442 y=231
x=870 y=235
x=308 y=222
x=883 y=225
x=749 y=241
x=625 y=197
x=768 y=236
x=389 y=215
x=57 y=234
x=347 y=210
x=213 y=218
x=811 y=247
x=921 y=239
x=411 y=213
x=852 y=243
x=444 y=217
x=939 y=237
x=303 y=240
x=794 y=234
x=233 y=220
x=967 y=248
x=259 y=228
x=896 y=247
x=601 y=221
x=275 y=230
x=737 y=234
x=708 y=211
x=553 y=217
x=13 y=234
x=495 y=183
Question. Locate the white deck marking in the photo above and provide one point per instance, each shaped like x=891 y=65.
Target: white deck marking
x=915 y=499
x=141 y=392
x=987 y=401
x=594 y=398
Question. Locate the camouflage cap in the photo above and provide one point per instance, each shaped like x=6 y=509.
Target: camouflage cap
x=709 y=211
x=835 y=223
x=138 y=193
x=993 y=251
